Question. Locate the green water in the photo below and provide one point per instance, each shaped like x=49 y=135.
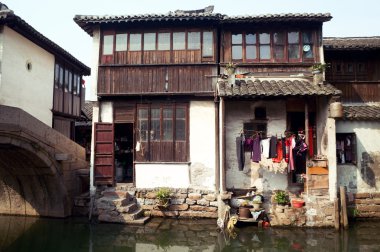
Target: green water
x=33 y=234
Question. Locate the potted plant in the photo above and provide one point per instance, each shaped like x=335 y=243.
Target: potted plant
x=230 y=68
x=163 y=197
x=317 y=70
x=244 y=210
x=281 y=197
x=257 y=202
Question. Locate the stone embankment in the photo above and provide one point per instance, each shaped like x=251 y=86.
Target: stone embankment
x=364 y=205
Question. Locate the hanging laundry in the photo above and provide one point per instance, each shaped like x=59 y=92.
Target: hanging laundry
x=311 y=143
x=256 y=150
x=292 y=144
x=265 y=143
x=279 y=152
x=240 y=152
x=299 y=155
x=248 y=144
x=273 y=146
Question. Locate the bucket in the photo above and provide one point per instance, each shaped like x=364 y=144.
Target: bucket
x=336 y=110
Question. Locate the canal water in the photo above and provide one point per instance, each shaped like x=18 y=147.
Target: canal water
x=39 y=234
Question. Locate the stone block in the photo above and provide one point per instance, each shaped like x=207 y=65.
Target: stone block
x=329 y=211
x=203 y=208
x=364 y=208
x=160 y=213
x=214 y=203
x=375 y=195
x=226 y=196
x=150 y=202
x=190 y=201
x=177 y=201
x=362 y=195
x=151 y=195
x=179 y=196
x=181 y=207
x=210 y=197
x=147 y=207
x=195 y=196
x=203 y=202
x=191 y=214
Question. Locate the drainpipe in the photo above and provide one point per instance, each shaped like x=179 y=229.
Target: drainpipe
x=222 y=133
x=217 y=167
x=95 y=119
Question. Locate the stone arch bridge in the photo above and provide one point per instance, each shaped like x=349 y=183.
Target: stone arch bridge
x=41 y=170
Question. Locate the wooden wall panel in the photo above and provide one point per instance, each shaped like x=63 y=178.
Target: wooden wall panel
x=134 y=57
x=359 y=92
x=121 y=57
x=180 y=152
x=136 y=80
x=124 y=113
x=76 y=105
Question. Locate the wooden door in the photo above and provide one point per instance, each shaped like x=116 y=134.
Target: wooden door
x=104 y=170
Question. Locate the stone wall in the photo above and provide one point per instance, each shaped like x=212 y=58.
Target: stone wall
x=363 y=205
x=184 y=203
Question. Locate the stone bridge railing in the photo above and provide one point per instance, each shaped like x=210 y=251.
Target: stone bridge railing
x=39 y=167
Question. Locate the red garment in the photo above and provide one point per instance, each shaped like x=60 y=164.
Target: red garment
x=311 y=149
x=279 y=152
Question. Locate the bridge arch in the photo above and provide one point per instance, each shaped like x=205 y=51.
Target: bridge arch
x=31 y=180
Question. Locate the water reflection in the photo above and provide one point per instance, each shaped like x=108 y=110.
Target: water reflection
x=32 y=234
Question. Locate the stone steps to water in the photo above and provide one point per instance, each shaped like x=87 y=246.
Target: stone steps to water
x=118 y=206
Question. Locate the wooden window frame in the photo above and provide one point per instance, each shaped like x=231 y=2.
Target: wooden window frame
x=286 y=44
x=352 y=148
x=147 y=142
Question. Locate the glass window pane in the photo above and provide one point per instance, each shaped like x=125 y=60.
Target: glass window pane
x=70 y=82
x=60 y=76
x=155 y=124
x=308 y=51
x=178 y=41
x=250 y=52
x=250 y=39
x=135 y=42
x=307 y=38
x=264 y=38
x=193 y=40
x=264 y=52
x=107 y=44
x=164 y=41
x=294 y=51
x=79 y=85
x=208 y=44
x=237 y=52
x=121 y=42
x=237 y=39
x=180 y=125
x=293 y=37
x=56 y=73
x=75 y=84
x=167 y=115
x=279 y=52
x=66 y=80
x=279 y=38
x=143 y=123
x=149 y=41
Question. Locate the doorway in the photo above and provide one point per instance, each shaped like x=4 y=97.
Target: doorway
x=124 y=150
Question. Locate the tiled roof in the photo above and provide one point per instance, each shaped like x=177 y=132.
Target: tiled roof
x=351 y=43
x=361 y=112
x=277 y=88
x=7 y=17
x=86 y=22
x=283 y=17
x=87 y=110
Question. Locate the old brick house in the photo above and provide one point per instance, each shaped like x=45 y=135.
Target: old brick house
x=169 y=112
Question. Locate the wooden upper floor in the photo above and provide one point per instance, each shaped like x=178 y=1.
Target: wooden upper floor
x=354 y=67
x=182 y=51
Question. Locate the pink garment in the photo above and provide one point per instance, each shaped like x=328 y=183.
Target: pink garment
x=291 y=158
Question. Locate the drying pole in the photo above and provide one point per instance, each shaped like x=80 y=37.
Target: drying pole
x=343 y=206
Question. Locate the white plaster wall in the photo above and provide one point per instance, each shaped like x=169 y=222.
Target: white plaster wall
x=368 y=140
x=162 y=175
x=202 y=144
x=263 y=175
x=106 y=112
x=32 y=90
x=92 y=90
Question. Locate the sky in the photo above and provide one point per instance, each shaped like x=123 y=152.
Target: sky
x=54 y=19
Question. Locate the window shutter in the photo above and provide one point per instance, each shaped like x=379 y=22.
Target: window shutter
x=104 y=154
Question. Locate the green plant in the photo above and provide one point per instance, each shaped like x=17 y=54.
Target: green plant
x=320 y=67
x=163 y=196
x=231 y=65
x=257 y=199
x=281 y=197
